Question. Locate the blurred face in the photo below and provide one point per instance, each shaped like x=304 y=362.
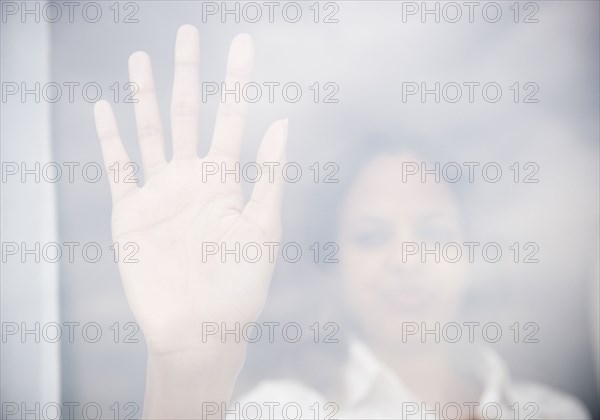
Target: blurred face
x=385 y=226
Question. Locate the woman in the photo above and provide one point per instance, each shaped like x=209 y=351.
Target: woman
x=405 y=357
x=177 y=295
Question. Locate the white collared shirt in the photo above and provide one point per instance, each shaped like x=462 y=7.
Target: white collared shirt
x=374 y=391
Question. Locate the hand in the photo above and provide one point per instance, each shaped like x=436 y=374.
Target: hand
x=171 y=291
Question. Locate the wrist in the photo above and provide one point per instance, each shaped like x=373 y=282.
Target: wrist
x=208 y=359
x=189 y=383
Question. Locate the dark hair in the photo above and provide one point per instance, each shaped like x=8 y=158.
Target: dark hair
x=319 y=226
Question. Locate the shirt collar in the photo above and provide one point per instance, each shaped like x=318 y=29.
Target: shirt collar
x=365 y=372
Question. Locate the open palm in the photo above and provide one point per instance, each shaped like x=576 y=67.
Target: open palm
x=173 y=290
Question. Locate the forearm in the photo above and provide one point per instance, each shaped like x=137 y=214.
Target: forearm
x=191 y=385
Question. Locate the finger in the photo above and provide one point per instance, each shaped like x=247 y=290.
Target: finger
x=113 y=151
x=147 y=116
x=264 y=207
x=229 y=124
x=186 y=93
